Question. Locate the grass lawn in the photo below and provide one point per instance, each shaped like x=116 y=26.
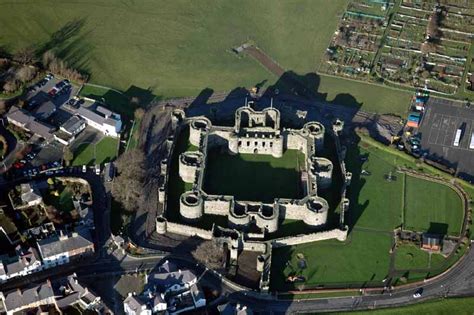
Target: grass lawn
x=380 y=99
x=106 y=150
x=254 y=177
x=458 y=306
x=412 y=257
x=432 y=207
x=365 y=257
x=176 y=48
x=176 y=187
x=376 y=209
x=375 y=202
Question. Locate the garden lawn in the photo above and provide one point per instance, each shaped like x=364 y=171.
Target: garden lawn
x=254 y=177
x=365 y=257
x=458 y=306
x=106 y=150
x=431 y=203
x=409 y=256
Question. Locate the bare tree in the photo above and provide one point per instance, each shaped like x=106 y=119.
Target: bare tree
x=25 y=55
x=11 y=86
x=47 y=58
x=68 y=155
x=210 y=254
x=139 y=113
x=128 y=185
x=26 y=73
x=3 y=107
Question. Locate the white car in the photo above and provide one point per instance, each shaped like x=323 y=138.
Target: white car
x=418 y=293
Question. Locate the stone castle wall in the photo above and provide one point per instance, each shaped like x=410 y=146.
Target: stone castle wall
x=340 y=235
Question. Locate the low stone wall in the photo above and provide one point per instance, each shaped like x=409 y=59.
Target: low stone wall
x=313 y=237
x=188 y=230
x=255 y=246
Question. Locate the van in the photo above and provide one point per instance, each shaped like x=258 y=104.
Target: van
x=84 y=168
x=471 y=145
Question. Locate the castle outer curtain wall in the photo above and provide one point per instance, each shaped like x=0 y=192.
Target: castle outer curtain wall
x=254 y=132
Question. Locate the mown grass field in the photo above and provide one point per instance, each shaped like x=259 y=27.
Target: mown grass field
x=458 y=306
x=255 y=177
x=429 y=205
x=105 y=151
x=376 y=209
x=412 y=257
x=179 y=48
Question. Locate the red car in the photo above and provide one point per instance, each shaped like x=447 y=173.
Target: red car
x=18 y=165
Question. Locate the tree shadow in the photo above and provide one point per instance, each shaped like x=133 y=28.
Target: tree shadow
x=62 y=36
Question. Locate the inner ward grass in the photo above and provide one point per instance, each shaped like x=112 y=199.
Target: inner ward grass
x=254 y=177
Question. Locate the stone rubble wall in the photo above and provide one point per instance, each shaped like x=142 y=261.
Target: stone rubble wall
x=338 y=234
x=188 y=230
x=217 y=207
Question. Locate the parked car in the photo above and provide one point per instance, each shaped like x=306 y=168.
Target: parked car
x=418 y=293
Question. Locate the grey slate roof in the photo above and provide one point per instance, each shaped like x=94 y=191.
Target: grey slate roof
x=166 y=280
x=72 y=124
x=24 y=118
x=55 y=245
x=23 y=261
x=21 y=298
x=134 y=302
x=45 y=110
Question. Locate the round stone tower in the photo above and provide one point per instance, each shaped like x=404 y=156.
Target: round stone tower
x=317 y=211
x=260 y=263
x=196 y=128
x=161 y=225
x=316 y=132
x=189 y=164
x=191 y=205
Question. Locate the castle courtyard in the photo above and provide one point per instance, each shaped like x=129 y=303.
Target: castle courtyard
x=255 y=177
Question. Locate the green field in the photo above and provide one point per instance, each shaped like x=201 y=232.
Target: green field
x=458 y=306
x=412 y=257
x=255 y=177
x=179 y=48
x=105 y=150
x=365 y=257
x=376 y=209
x=432 y=207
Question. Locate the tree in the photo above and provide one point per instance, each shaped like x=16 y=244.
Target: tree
x=210 y=254
x=10 y=86
x=139 y=113
x=128 y=186
x=68 y=155
x=25 y=55
x=47 y=58
x=26 y=73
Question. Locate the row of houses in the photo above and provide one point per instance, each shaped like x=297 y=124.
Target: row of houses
x=48 y=297
x=95 y=115
x=168 y=289
x=50 y=252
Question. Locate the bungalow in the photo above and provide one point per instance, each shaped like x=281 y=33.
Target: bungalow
x=102 y=119
x=24 y=120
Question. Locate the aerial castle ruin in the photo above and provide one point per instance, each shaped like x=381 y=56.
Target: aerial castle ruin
x=254 y=132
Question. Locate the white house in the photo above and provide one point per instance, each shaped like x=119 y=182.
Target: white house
x=30 y=195
x=134 y=305
x=102 y=119
x=58 y=250
x=26 y=262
